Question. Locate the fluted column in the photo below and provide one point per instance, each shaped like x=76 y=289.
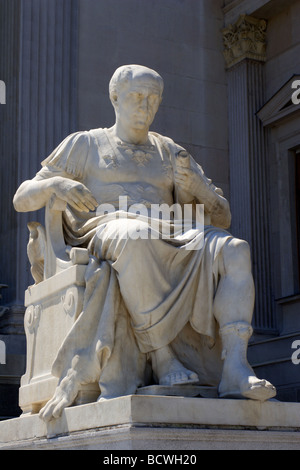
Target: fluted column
x=48 y=97
x=9 y=73
x=245 y=45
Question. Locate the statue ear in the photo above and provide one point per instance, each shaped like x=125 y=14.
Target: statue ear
x=114 y=98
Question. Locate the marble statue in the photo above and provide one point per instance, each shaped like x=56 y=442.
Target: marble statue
x=148 y=301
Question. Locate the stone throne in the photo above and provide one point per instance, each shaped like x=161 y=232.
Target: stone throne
x=52 y=305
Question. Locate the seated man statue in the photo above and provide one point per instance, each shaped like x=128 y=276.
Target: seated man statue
x=159 y=282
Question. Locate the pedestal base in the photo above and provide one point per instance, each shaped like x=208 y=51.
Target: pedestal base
x=160 y=423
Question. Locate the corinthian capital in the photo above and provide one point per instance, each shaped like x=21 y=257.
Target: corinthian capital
x=246 y=39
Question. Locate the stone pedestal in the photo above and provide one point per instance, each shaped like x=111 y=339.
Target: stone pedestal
x=141 y=422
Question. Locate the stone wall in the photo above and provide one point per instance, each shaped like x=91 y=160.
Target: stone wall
x=283 y=51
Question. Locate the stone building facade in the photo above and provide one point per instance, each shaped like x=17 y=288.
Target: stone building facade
x=229 y=67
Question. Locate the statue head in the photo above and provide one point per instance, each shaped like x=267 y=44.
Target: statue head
x=126 y=74
x=136 y=93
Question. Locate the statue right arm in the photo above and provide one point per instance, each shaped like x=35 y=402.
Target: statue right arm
x=58 y=178
x=34 y=194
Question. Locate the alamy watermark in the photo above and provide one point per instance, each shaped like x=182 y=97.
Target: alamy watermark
x=296 y=354
x=2 y=352
x=296 y=94
x=2 y=92
x=184 y=223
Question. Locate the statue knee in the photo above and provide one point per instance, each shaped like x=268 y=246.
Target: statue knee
x=237 y=256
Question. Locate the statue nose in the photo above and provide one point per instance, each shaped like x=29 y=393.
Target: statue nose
x=144 y=105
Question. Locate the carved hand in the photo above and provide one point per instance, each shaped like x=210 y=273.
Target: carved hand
x=192 y=182
x=199 y=186
x=74 y=193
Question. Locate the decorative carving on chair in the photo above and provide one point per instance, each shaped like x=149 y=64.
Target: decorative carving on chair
x=32 y=317
x=36 y=250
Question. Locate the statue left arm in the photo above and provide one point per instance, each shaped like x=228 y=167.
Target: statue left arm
x=193 y=181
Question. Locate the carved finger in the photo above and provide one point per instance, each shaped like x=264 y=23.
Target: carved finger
x=92 y=200
x=183 y=170
x=46 y=412
x=181 y=177
x=183 y=181
x=63 y=403
x=78 y=204
x=86 y=198
x=83 y=191
x=91 y=205
x=78 y=207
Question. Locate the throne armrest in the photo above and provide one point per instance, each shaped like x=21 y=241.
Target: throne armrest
x=59 y=256
x=47 y=250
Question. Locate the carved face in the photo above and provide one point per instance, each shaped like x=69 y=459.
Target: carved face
x=137 y=103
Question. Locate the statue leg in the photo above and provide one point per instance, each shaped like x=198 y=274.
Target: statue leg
x=143 y=288
x=233 y=307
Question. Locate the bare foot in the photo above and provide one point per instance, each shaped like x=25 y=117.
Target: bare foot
x=241 y=382
x=64 y=396
x=238 y=378
x=168 y=370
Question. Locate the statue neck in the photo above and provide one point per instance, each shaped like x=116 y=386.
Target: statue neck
x=131 y=136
